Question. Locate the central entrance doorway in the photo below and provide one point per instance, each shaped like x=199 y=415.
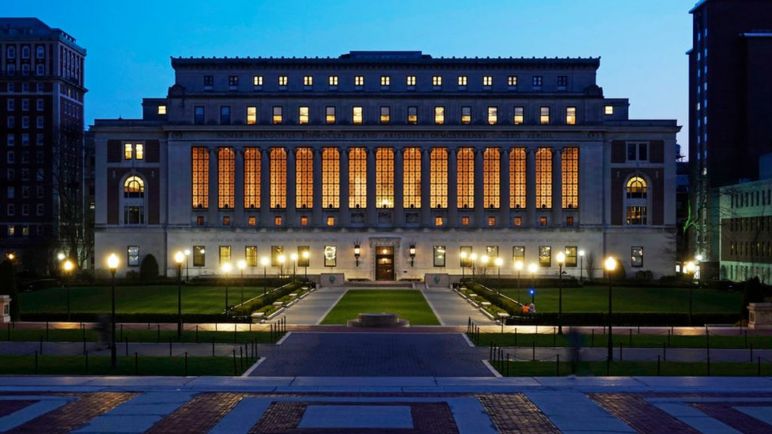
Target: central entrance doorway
x=384 y=263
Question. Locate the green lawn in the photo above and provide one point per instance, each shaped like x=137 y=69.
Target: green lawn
x=151 y=334
x=135 y=299
x=545 y=369
x=409 y=304
x=630 y=299
x=76 y=365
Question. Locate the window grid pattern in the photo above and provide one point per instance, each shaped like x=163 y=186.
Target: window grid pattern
x=251 y=178
x=357 y=175
x=517 y=178
x=569 y=164
x=304 y=178
x=278 y=163
x=331 y=178
x=492 y=178
x=250 y=253
x=384 y=178
x=411 y=178
x=226 y=178
x=544 y=178
x=200 y=163
x=465 y=177
x=438 y=182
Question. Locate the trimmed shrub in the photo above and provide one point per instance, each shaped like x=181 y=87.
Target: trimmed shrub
x=148 y=270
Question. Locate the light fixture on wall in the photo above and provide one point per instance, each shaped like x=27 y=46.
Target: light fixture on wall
x=412 y=254
x=357 y=252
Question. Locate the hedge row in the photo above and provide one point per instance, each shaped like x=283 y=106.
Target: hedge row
x=494 y=298
x=624 y=319
x=258 y=302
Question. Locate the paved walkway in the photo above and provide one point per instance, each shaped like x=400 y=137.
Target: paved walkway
x=312 y=309
x=385 y=405
x=451 y=309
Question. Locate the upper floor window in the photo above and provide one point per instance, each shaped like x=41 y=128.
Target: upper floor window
x=208 y=80
x=544 y=115
x=161 y=109
x=385 y=114
x=283 y=81
x=133 y=151
x=251 y=115
x=329 y=114
x=308 y=81
x=332 y=80
x=198 y=114
x=357 y=115
x=437 y=81
x=636 y=188
x=385 y=81
x=10 y=52
x=493 y=115
x=462 y=80
x=562 y=81
x=570 y=115
x=439 y=115
x=637 y=152
x=412 y=115
x=133 y=187
x=40 y=52
x=277 y=115
x=257 y=80
x=466 y=115
x=303 y=115
x=359 y=80
x=519 y=116
x=487 y=81
x=410 y=80
x=538 y=80
x=512 y=81
x=233 y=80
x=608 y=110
x=225 y=114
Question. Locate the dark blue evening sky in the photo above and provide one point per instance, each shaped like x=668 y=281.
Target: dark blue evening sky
x=641 y=42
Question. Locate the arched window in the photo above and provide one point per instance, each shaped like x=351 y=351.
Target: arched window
x=636 y=188
x=133 y=187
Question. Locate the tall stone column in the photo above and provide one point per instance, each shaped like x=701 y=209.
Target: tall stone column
x=479 y=197
x=265 y=188
x=214 y=214
x=316 y=220
x=504 y=170
x=399 y=177
x=557 y=187
x=530 y=188
x=426 y=205
x=452 y=187
x=291 y=188
x=372 y=206
x=345 y=213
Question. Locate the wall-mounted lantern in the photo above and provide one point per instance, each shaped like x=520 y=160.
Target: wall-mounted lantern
x=357 y=253
x=412 y=254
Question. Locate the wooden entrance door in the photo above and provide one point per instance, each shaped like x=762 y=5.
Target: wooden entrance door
x=384 y=263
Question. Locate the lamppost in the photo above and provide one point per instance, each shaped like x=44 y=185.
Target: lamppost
x=306 y=259
x=241 y=265
x=264 y=261
x=581 y=264
x=179 y=258
x=187 y=253
x=67 y=267
x=691 y=269
x=532 y=268
x=518 y=268
x=561 y=258
x=411 y=251
x=463 y=255
x=473 y=260
x=484 y=263
x=294 y=259
x=226 y=268
x=498 y=262
x=112 y=264
x=281 y=259
x=610 y=264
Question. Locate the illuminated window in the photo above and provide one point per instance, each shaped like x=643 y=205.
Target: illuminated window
x=492 y=178
x=570 y=115
x=462 y=80
x=133 y=187
x=636 y=256
x=545 y=256
x=200 y=172
x=571 y=256
x=251 y=178
x=437 y=81
x=412 y=115
x=465 y=178
x=512 y=81
x=491 y=221
x=330 y=221
x=303 y=220
x=251 y=115
x=439 y=115
x=304 y=257
x=304 y=178
x=283 y=81
x=493 y=115
x=519 y=116
x=385 y=81
x=487 y=81
x=225 y=254
x=329 y=114
x=411 y=178
x=544 y=115
x=128 y=151
x=466 y=115
x=465 y=220
x=357 y=178
x=410 y=80
x=517 y=178
x=356 y=115
x=464 y=252
x=517 y=221
x=332 y=80
x=331 y=177
x=608 y=110
x=569 y=220
x=438 y=180
x=277 y=115
x=385 y=114
x=636 y=215
x=302 y=115
x=161 y=109
x=226 y=220
x=226 y=178
x=139 y=151
x=518 y=254
x=570 y=174
x=359 y=80
x=636 y=188
x=308 y=81
x=276 y=251
x=543 y=221
x=439 y=221
x=277 y=221
x=544 y=178
x=257 y=80
x=278 y=173
x=250 y=254
x=251 y=220
x=438 y=253
x=384 y=177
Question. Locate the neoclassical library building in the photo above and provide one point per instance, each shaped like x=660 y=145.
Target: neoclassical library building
x=386 y=165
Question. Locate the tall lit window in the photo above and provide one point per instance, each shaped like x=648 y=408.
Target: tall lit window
x=225 y=254
x=462 y=80
x=439 y=115
x=251 y=115
x=356 y=115
x=636 y=215
x=545 y=256
x=466 y=115
x=544 y=115
x=410 y=80
x=278 y=173
x=302 y=115
x=308 y=81
x=493 y=115
x=257 y=80
x=128 y=151
x=384 y=177
x=518 y=254
x=329 y=114
x=359 y=80
x=465 y=178
x=437 y=81
x=200 y=171
x=544 y=178
x=512 y=81
x=517 y=178
x=385 y=114
x=226 y=178
x=636 y=201
x=251 y=178
x=304 y=178
x=519 y=116
x=570 y=115
x=250 y=254
x=411 y=178
x=283 y=81
x=332 y=80
x=491 y=178
x=277 y=115
x=357 y=178
x=412 y=115
x=569 y=163
x=139 y=151
x=385 y=80
x=487 y=81
x=330 y=178
x=438 y=181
